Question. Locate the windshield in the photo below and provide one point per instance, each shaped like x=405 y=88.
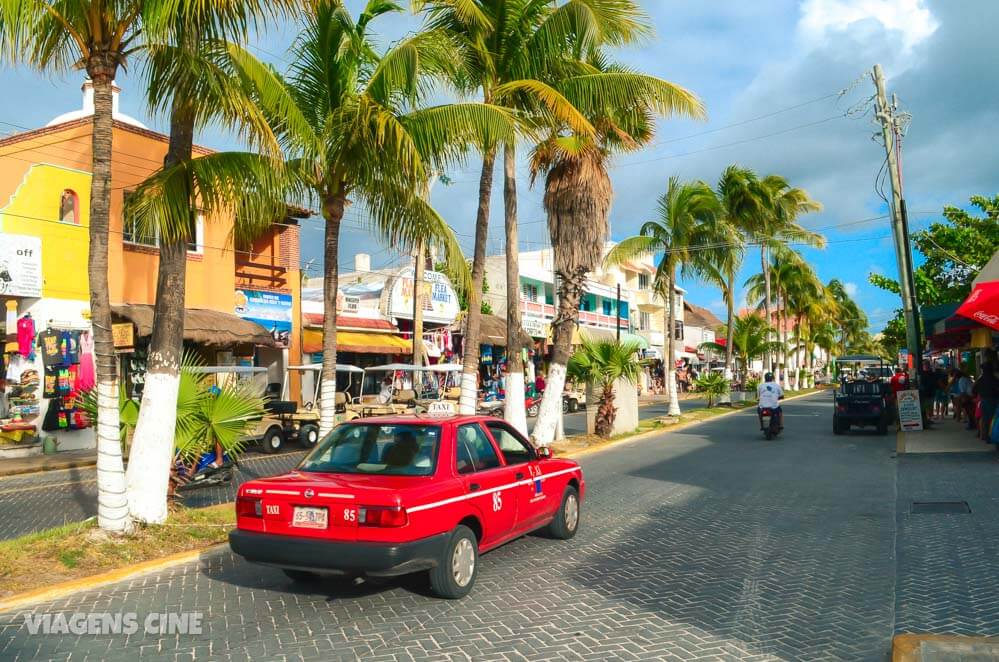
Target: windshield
x=390 y=450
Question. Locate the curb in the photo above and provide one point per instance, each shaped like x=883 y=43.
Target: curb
x=56 y=591
x=676 y=428
x=908 y=647
x=69 y=464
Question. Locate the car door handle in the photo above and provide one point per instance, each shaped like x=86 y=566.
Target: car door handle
x=520 y=475
x=474 y=487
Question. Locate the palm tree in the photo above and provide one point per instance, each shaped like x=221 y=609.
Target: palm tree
x=98 y=37
x=776 y=223
x=741 y=199
x=687 y=217
x=621 y=105
x=516 y=50
x=602 y=364
x=750 y=339
x=852 y=322
x=802 y=292
x=190 y=80
x=356 y=129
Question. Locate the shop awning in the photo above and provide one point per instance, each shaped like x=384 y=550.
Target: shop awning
x=492 y=330
x=360 y=342
x=982 y=305
x=208 y=327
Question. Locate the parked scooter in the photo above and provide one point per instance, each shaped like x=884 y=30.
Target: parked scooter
x=207 y=472
x=769 y=422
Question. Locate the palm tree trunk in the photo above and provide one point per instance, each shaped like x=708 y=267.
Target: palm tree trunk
x=112 y=505
x=514 y=410
x=730 y=326
x=674 y=401
x=333 y=208
x=569 y=292
x=470 y=344
x=767 y=358
x=152 y=451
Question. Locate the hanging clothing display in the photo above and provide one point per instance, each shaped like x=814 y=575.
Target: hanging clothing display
x=26 y=336
x=49 y=342
x=86 y=379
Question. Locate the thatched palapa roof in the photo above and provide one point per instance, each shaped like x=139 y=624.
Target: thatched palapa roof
x=208 y=327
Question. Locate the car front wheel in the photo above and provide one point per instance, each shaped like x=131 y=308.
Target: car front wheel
x=566 y=521
x=456 y=570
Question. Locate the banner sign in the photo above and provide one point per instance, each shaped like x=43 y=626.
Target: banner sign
x=910 y=415
x=440 y=303
x=123 y=335
x=271 y=310
x=20 y=265
x=535 y=327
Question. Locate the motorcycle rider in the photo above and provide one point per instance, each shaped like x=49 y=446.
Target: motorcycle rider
x=769 y=394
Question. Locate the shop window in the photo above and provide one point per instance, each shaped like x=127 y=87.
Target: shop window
x=69 y=207
x=530 y=292
x=132 y=232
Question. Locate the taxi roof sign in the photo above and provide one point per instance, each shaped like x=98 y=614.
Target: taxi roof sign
x=441 y=408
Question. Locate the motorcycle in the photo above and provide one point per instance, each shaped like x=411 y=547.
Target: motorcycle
x=769 y=423
x=205 y=474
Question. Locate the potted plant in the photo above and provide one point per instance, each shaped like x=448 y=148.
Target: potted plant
x=600 y=365
x=713 y=385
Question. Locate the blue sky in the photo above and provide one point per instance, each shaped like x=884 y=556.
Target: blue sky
x=770 y=75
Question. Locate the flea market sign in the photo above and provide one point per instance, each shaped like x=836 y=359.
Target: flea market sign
x=535 y=327
x=21 y=266
x=440 y=303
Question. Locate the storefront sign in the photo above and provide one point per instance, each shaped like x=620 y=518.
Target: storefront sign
x=440 y=303
x=910 y=415
x=21 y=266
x=535 y=327
x=123 y=335
x=271 y=310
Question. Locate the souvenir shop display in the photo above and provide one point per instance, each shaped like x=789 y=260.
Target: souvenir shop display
x=54 y=385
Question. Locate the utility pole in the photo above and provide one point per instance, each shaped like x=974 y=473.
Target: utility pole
x=907 y=287
x=418 y=257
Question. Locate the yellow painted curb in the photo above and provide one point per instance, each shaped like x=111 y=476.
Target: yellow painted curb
x=63 y=589
x=675 y=428
x=905 y=647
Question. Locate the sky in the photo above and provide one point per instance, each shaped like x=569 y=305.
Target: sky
x=788 y=91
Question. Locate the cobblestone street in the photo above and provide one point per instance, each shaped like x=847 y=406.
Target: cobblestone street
x=704 y=544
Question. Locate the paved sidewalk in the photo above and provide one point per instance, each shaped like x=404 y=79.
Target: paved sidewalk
x=38 y=463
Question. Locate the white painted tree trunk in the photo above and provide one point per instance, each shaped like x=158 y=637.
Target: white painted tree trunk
x=152 y=450
x=674 y=400
x=112 y=507
x=551 y=406
x=726 y=397
x=514 y=410
x=469 y=394
x=327 y=405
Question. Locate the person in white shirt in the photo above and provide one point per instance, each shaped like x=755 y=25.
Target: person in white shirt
x=768 y=395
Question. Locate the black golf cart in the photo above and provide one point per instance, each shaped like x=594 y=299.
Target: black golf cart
x=861 y=398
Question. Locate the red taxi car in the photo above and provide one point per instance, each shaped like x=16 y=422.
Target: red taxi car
x=388 y=496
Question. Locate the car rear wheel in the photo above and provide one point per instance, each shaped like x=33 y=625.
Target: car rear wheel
x=566 y=521
x=456 y=570
x=573 y=405
x=273 y=439
x=308 y=435
x=882 y=427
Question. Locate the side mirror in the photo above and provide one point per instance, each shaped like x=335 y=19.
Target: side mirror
x=544 y=452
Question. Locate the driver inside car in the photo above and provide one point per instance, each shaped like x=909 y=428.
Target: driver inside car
x=769 y=394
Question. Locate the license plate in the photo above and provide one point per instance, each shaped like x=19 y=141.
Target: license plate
x=310 y=518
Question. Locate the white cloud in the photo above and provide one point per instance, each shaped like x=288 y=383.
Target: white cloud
x=821 y=18
x=851 y=289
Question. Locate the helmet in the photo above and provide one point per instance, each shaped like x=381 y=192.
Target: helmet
x=769 y=377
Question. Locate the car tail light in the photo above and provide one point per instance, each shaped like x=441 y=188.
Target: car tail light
x=249 y=507
x=382 y=516
x=876 y=408
x=766 y=412
x=841 y=407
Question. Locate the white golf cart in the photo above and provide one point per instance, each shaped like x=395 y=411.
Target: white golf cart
x=286 y=420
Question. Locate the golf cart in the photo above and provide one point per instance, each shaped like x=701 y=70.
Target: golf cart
x=863 y=401
x=286 y=420
x=402 y=401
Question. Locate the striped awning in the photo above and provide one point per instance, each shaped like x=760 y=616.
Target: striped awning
x=360 y=342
